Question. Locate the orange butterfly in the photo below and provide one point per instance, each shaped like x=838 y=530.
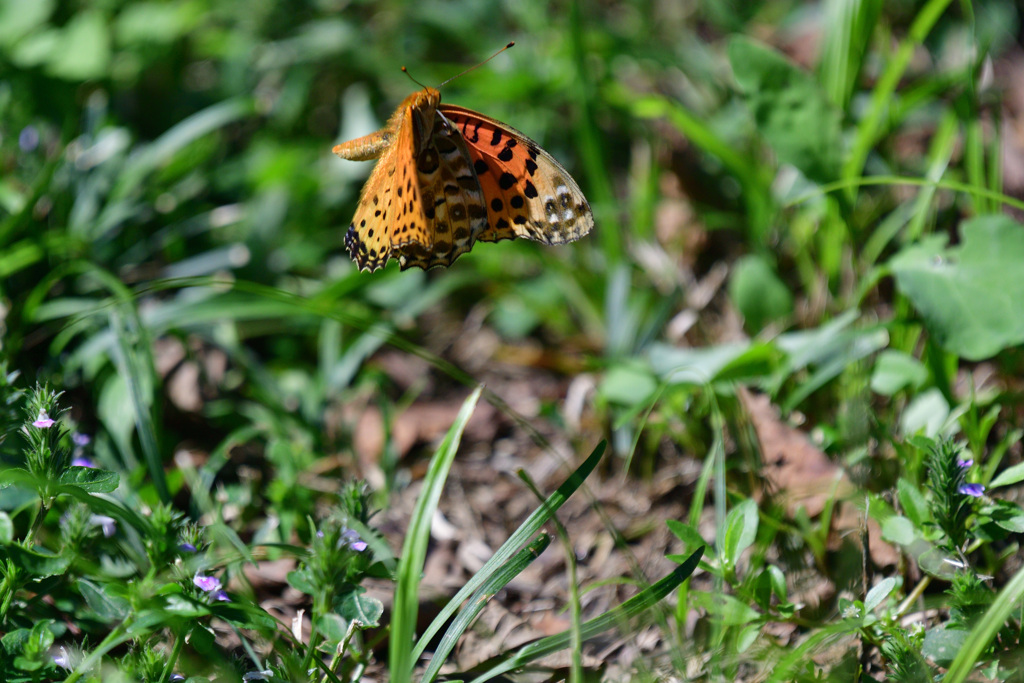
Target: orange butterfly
x=447 y=177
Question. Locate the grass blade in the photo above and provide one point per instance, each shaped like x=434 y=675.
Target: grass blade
x=414 y=550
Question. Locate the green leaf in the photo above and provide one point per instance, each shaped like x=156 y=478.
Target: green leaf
x=758 y=293
x=627 y=384
x=740 y=530
x=899 y=530
x=1011 y=475
x=90 y=479
x=895 y=371
x=83 y=51
x=941 y=645
x=333 y=627
x=969 y=295
x=688 y=535
x=789 y=109
x=107 y=606
x=6 y=528
x=362 y=608
x=19 y=18
x=725 y=608
x=915 y=507
x=35 y=563
x=878 y=594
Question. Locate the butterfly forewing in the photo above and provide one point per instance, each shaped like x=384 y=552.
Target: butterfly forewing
x=528 y=192
x=451 y=196
x=390 y=212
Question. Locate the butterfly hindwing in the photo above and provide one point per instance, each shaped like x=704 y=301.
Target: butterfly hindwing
x=528 y=193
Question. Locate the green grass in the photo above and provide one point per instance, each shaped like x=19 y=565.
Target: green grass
x=802 y=201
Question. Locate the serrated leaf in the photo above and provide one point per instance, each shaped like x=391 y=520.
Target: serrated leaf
x=969 y=295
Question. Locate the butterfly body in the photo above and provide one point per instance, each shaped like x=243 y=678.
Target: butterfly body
x=447 y=177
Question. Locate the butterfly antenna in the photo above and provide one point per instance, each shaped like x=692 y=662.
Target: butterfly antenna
x=478 y=65
x=406 y=72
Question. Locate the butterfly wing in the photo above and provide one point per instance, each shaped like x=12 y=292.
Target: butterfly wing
x=390 y=213
x=527 y=192
x=452 y=199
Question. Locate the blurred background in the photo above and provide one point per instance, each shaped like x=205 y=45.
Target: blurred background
x=172 y=224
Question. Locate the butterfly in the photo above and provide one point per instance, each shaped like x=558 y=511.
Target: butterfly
x=447 y=177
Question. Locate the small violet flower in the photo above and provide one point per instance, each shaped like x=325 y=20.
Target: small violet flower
x=176 y=678
x=43 y=421
x=351 y=537
x=207 y=584
x=80 y=439
x=973 y=490
x=63 y=660
x=107 y=524
x=82 y=461
x=186 y=547
x=28 y=139
x=964 y=464
x=221 y=596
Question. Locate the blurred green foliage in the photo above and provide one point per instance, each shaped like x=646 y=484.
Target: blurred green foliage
x=802 y=198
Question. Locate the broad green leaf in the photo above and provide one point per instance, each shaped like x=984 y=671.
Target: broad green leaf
x=107 y=606
x=35 y=563
x=90 y=479
x=878 y=594
x=969 y=295
x=915 y=507
x=6 y=528
x=627 y=384
x=362 y=608
x=758 y=293
x=942 y=644
x=896 y=370
x=789 y=109
x=1011 y=475
x=899 y=530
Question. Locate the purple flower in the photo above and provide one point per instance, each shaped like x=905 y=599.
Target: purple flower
x=964 y=464
x=186 y=547
x=80 y=439
x=43 y=421
x=63 y=660
x=973 y=490
x=176 y=678
x=207 y=584
x=28 y=139
x=108 y=524
x=82 y=461
x=351 y=537
x=221 y=596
